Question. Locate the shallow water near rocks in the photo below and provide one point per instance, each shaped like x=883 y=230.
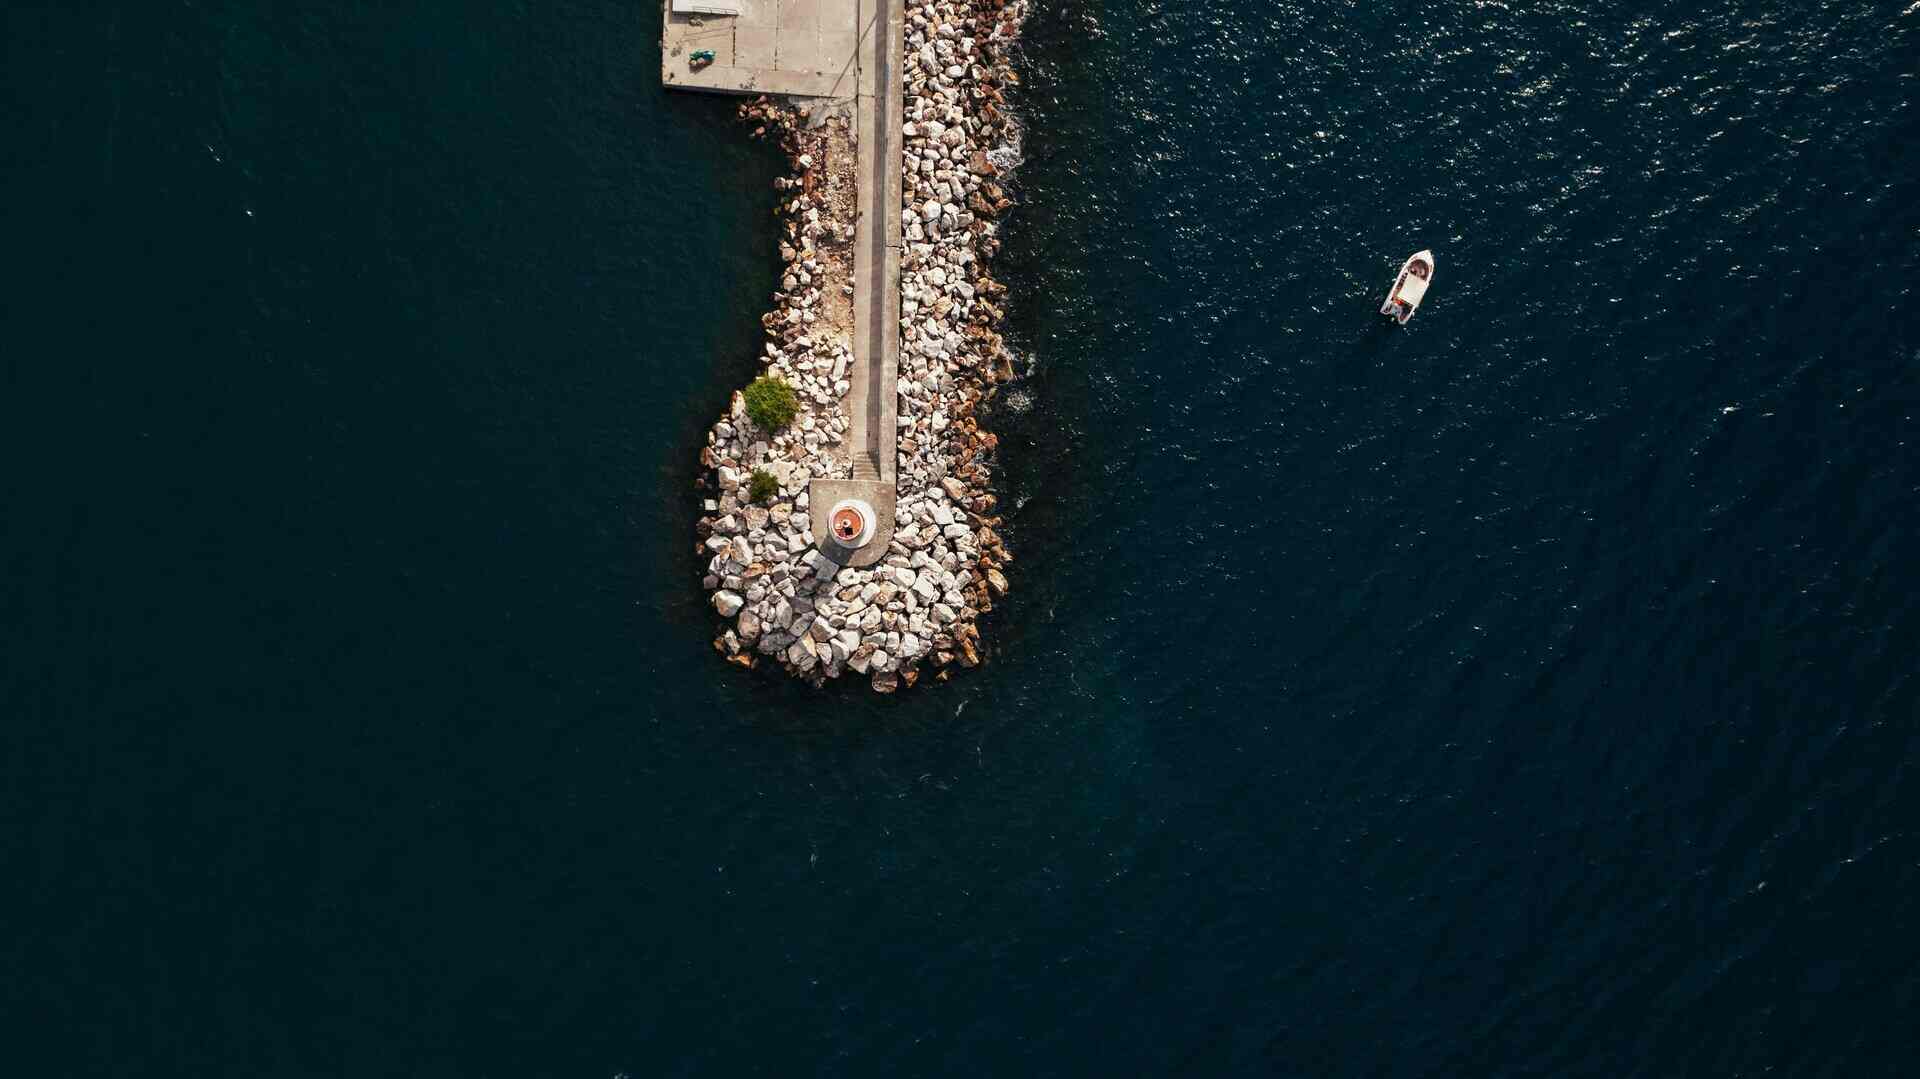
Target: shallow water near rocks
x=1525 y=691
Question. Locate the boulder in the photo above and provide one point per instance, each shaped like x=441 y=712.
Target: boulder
x=925 y=587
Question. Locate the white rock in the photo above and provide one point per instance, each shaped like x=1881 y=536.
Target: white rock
x=801 y=656
x=727 y=603
x=926 y=589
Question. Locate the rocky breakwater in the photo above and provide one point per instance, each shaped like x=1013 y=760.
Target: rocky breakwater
x=919 y=608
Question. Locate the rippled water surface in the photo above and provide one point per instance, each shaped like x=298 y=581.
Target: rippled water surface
x=1527 y=691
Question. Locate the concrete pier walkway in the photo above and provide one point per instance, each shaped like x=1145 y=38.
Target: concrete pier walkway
x=878 y=236
x=786 y=47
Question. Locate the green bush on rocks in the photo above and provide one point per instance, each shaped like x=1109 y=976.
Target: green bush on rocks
x=771 y=403
x=763 y=486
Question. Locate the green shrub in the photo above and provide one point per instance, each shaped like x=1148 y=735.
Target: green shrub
x=763 y=486
x=771 y=403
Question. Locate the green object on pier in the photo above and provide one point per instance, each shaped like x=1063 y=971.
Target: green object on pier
x=702 y=56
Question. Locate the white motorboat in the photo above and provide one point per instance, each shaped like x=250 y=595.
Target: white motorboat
x=1415 y=275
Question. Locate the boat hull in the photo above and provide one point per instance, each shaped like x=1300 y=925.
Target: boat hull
x=1409 y=287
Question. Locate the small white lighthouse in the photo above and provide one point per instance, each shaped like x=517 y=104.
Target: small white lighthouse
x=850 y=523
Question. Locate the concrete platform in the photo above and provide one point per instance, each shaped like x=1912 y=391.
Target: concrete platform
x=823 y=495
x=798 y=48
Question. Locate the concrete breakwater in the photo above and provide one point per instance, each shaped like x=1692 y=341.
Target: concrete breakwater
x=912 y=604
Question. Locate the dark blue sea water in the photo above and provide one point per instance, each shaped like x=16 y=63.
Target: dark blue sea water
x=1530 y=691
